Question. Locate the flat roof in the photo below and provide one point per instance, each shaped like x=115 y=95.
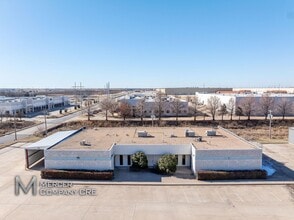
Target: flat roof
x=104 y=138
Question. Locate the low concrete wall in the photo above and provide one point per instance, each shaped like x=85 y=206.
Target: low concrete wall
x=193 y=158
x=78 y=159
x=291 y=135
x=229 y=159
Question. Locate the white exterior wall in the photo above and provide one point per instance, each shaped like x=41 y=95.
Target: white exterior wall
x=193 y=158
x=78 y=159
x=160 y=149
x=153 y=152
x=291 y=135
x=224 y=98
x=228 y=159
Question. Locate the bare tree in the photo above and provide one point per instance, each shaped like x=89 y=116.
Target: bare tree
x=231 y=107
x=266 y=104
x=223 y=111
x=188 y=99
x=213 y=104
x=159 y=104
x=106 y=105
x=195 y=103
x=88 y=106
x=125 y=110
x=19 y=114
x=247 y=106
x=1 y=114
x=239 y=112
x=284 y=107
x=140 y=108
x=114 y=108
x=177 y=106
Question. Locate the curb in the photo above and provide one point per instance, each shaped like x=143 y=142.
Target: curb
x=272 y=183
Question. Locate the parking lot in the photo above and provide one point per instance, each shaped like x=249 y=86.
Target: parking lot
x=202 y=201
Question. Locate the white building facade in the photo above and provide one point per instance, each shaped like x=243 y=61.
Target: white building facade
x=26 y=105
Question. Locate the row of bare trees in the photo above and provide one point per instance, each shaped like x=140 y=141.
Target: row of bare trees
x=214 y=106
x=125 y=110
x=247 y=106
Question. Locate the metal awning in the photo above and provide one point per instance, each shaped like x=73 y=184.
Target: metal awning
x=51 y=140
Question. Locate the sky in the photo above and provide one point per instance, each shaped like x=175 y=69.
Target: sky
x=154 y=43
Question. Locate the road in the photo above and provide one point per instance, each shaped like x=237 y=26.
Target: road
x=38 y=128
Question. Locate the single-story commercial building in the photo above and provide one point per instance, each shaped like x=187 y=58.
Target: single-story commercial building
x=107 y=148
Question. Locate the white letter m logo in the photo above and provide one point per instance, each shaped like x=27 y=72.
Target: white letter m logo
x=31 y=185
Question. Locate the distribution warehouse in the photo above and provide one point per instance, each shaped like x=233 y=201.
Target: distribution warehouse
x=198 y=148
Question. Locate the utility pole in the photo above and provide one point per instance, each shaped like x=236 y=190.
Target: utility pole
x=15 y=135
x=80 y=93
x=270 y=116
x=45 y=118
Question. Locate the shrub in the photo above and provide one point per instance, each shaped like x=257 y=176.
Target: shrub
x=77 y=174
x=231 y=175
x=167 y=164
x=139 y=160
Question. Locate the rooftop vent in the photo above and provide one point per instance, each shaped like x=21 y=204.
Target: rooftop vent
x=142 y=133
x=198 y=139
x=85 y=143
x=211 y=133
x=190 y=133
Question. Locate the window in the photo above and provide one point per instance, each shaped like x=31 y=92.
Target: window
x=121 y=160
x=177 y=157
x=129 y=160
x=183 y=160
x=167 y=111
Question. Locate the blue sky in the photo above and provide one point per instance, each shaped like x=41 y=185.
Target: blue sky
x=154 y=43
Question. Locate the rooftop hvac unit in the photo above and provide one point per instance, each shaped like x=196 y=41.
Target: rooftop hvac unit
x=190 y=133
x=142 y=134
x=211 y=133
x=85 y=143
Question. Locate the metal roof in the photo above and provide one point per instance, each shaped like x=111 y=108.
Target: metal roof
x=51 y=140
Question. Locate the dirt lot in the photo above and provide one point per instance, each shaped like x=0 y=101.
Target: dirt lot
x=8 y=126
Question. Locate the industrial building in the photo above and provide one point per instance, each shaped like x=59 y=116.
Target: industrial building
x=191 y=90
x=239 y=99
x=27 y=105
x=150 y=105
x=267 y=90
x=109 y=148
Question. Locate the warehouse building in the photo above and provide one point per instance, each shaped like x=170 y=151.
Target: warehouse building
x=170 y=105
x=191 y=90
x=239 y=99
x=109 y=148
